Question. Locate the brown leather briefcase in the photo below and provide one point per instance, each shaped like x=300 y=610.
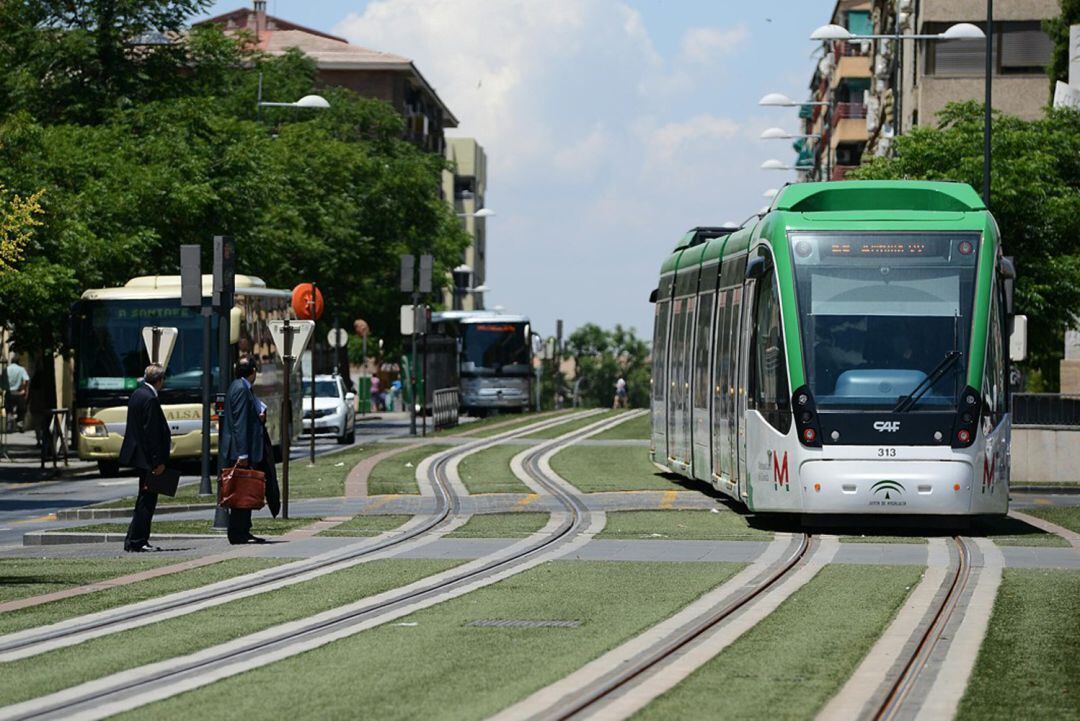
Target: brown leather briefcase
x=243 y=488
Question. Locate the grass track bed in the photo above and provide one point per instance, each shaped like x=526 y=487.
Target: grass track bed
x=793 y=661
x=1067 y=516
x=635 y=429
x=681 y=525
x=259 y=527
x=1008 y=531
x=442 y=668
x=56 y=670
x=859 y=538
x=24 y=577
x=366 y=525
x=501 y=525
x=488 y=471
x=397 y=474
x=1028 y=666
x=610 y=468
x=573 y=425
x=131 y=593
x=494 y=425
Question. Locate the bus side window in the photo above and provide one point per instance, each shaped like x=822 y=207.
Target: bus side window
x=768 y=391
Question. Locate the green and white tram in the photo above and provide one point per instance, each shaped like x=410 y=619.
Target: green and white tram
x=843 y=354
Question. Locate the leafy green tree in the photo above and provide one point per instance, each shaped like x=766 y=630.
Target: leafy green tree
x=18 y=217
x=1035 y=198
x=1058 y=30
x=601 y=357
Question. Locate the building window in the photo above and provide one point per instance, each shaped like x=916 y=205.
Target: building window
x=1020 y=48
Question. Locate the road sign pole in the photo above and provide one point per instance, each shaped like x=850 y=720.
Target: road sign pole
x=207 y=337
x=286 y=421
x=423 y=384
x=365 y=403
x=312 y=306
x=412 y=369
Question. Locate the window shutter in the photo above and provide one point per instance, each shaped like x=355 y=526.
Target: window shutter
x=1025 y=48
x=959 y=57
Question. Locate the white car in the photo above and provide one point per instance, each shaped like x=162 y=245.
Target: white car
x=335 y=409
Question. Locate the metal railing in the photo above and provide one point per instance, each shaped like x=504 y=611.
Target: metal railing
x=850 y=110
x=1046 y=409
x=444 y=408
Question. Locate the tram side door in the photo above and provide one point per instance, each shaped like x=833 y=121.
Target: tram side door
x=745 y=307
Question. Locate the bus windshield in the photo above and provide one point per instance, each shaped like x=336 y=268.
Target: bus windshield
x=497 y=347
x=111 y=357
x=880 y=311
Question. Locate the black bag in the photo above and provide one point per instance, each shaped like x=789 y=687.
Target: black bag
x=166 y=483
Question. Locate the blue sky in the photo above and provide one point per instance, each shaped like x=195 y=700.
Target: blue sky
x=611 y=126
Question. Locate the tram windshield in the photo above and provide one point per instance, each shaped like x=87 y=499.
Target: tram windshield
x=496 y=346
x=879 y=312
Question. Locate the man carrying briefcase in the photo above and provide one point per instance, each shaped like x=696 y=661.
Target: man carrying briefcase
x=146 y=446
x=242 y=443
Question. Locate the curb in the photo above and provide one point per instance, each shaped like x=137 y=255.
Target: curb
x=1070 y=490
x=89 y=514
x=44 y=538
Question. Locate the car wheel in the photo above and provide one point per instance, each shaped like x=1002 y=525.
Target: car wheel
x=108 y=469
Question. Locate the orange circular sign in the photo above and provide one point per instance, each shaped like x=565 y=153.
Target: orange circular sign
x=302 y=303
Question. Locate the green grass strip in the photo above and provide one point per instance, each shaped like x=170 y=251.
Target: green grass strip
x=488 y=471
x=56 y=670
x=1006 y=531
x=108 y=598
x=1028 y=665
x=259 y=527
x=569 y=426
x=25 y=577
x=610 y=468
x=493 y=425
x=635 y=429
x=366 y=525
x=681 y=526
x=900 y=538
x=396 y=475
x=432 y=664
x=1067 y=516
x=185 y=495
x=501 y=525
x=792 y=662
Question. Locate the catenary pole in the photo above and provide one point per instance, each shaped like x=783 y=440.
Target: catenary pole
x=988 y=114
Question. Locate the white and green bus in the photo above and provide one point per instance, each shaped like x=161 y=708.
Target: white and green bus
x=106 y=327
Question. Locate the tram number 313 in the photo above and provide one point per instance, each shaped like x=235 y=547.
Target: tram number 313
x=886 y=452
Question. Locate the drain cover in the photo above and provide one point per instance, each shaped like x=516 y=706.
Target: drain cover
x=522 y=623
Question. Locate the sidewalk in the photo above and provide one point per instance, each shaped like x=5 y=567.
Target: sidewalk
x=22 y=463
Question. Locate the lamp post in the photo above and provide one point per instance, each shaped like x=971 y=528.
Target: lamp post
x=479 y=213
x=316 y=102
x=779 y=100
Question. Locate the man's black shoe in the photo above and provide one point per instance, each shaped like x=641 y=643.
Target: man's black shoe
x=256 y=539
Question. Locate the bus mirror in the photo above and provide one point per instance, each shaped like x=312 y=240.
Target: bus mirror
x=755 y=268
x=1018 y=339
x=234 y=325
x=652 y=296
x=1008 y=283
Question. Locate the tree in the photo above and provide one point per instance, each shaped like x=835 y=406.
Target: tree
x=1035 y=198
x=18 y=217
x=601 y=357
x=1058 y=30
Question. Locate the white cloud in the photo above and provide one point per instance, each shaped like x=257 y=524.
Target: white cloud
x=703 y=46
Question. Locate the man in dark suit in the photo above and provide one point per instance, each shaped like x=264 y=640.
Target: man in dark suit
x=146 y=446
x=242 y=440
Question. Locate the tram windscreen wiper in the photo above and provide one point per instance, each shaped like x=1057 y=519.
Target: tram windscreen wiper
x=906 y=403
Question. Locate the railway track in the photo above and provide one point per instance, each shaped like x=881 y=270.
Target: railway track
x=139 y=686
x=32 y=642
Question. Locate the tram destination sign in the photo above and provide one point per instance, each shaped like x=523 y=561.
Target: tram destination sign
x=889 y=248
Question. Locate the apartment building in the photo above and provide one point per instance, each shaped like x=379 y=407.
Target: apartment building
x=371 y=73
x=913 y=80
x=841 y=79
x=466 y=186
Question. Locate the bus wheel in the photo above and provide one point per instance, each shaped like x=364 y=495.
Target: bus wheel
x=108 y=469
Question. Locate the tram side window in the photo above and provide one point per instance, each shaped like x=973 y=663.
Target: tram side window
x=701 y=350
x=768 y=391
x=994 y=373
x=660 y=334
x=678 y=312
x=720 y=369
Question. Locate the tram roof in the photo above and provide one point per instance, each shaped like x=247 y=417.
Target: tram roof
x=168 y=286
x=476 y=316
x=879 y=195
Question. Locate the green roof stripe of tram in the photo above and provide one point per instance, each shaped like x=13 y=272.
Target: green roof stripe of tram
x=879 y=195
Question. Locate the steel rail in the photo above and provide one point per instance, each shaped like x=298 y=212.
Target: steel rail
x=916 y=661
x=446 y=506
x=667 y=647
x=177 y=670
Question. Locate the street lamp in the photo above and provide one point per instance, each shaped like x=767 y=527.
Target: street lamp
x=770 y=193
x=779 y=100
x=316 y=102
x=780 y=165
x=781 y=134
x=480 y=213
x=960 y=31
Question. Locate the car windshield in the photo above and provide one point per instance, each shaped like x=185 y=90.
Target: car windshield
x=495 y=346
x=110 y=354
x=323 y=389
x=880 y=311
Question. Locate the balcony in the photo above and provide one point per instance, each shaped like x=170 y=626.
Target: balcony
x=845 y=111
